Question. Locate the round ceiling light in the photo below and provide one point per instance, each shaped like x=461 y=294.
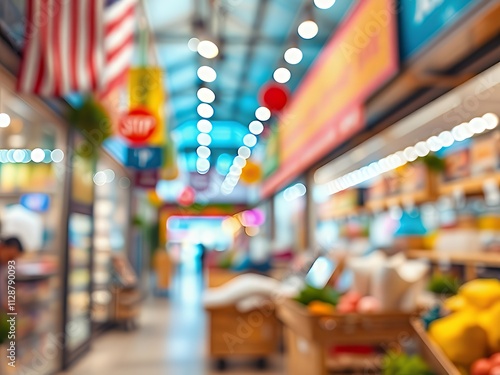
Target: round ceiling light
x=282 y=75
x=193 y=44
x=4 y=120
x=57 y=155
x=206 y=95
x=203 y=152
x=205 y=110
x=244 y=152
x=240 y=162
x=204 y=126
x=204 y=139
x=308 y=29
x=208 y=49
x=324 y=4
x=249 y=140
x=202 y=165
x=256 y=127
x=293 y=55
x=207 y=74
x=263 y=113
x=491 y=120
x=37 y=155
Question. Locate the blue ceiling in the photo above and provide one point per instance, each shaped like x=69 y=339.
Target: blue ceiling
x=252 y=36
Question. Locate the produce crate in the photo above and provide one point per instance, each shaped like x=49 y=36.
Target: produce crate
x=252 y=334
x=308 y=337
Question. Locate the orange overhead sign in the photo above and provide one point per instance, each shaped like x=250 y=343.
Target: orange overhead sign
x=327 y=108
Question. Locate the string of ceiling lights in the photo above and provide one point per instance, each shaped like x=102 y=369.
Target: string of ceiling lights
x=307 y=30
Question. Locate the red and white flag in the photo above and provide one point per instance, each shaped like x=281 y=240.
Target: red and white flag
x=76 y=46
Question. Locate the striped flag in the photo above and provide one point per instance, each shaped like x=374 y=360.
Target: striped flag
x=76 y=46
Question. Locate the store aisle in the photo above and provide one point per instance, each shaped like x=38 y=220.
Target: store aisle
x=170 y=340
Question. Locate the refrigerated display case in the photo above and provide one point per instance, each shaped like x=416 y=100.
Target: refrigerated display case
x=78 y=261
x=33 y=148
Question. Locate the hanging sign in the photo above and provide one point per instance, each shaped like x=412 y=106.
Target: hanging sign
x=146 y=90
x=144 y=157
x=138 y=125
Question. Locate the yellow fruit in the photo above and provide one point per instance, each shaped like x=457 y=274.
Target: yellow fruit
x=321 y=308
x=460 y=337
x=481 y=293
x=456 y=303
x=489 y=320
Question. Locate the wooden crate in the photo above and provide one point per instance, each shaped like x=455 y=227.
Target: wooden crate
x=233 y=333
x=308 y=337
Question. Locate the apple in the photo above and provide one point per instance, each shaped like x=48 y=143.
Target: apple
x=481 y=367
x=495 y=370
x=495 y=359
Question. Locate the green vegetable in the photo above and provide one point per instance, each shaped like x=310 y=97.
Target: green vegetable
x=309 y=294
x=444 y=284
x=401 y=364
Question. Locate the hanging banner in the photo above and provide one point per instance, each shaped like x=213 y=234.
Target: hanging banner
x=146 y=91
x=327 y=108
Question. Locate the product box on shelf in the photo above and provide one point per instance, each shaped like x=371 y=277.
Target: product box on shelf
x=485 y=154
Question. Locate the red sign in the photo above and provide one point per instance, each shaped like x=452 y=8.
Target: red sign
x=137 y=125
x=146 y=179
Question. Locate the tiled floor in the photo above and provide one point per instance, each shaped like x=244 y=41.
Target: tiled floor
x=169 y=341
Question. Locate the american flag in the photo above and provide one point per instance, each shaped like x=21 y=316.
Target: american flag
x=76 y=46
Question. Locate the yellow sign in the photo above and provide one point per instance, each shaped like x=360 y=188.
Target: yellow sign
x=146 y=90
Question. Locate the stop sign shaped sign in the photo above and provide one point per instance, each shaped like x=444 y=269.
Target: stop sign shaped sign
x=137 y=125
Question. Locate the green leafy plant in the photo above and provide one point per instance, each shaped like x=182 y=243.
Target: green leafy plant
x=433 y=162
x=309 y=294
x=444 y=284
x=94 y=123
x=395 y=363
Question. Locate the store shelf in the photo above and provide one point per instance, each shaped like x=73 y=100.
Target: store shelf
x=400 y=200
x=465 y=259
x=468 y=186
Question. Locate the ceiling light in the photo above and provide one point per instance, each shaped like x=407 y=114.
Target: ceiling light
x=206 y=95
x=478 y=125
x=4 y=120
x=293 y=55
x=207 y=74
x=37 y=155
x=203 y=152
x=446 y=138
x=204 y=139
x=208 y=49
x=204 y=126
x=434 y=143
x=263 y=113
x=235 y=170
x=421 y=149
x=205 y=110
x=308 y=29
x=244 y=152
x=256 y=127
x=324 y=4
x=410 y=154
x=491 y=120
x=193 y=44
x=202 y=165
x=282 y=75
x=99 y=178
x=57 y=155
x=239 y=162
x=249 y=140
x=110 y=175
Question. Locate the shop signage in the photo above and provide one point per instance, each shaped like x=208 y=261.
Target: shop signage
x=146 y=91
x=327 y=108
x=138 y=125
x=421 y=21
x=144 y=157
x=146 y=179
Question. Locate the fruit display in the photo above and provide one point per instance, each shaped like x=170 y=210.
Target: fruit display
x=395 y=363
x=471 y=332
x=486 y=366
